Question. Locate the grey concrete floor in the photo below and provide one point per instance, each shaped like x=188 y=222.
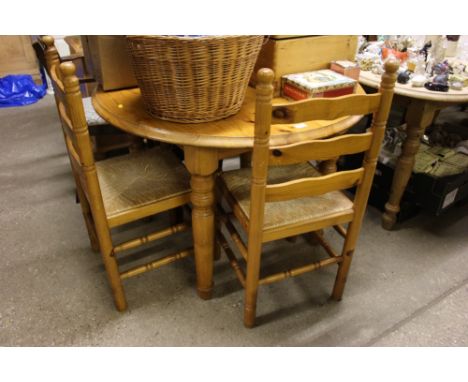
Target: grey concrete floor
x=408 y=287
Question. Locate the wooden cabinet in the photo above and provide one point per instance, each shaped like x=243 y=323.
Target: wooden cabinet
x=17 y=57
x=295 y=54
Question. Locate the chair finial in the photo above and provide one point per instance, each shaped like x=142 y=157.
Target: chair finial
x=48 y=41
x=265 y=76
x=391 y=65
x=67 y=68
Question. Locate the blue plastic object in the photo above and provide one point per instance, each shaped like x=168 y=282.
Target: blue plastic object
x=19 y=90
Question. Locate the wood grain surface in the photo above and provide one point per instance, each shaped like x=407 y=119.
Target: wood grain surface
x=124 y=109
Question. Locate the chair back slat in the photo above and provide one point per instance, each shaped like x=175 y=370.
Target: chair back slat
x=320 y=149
x=313 y=186
x=67 y=125
x=325 y=108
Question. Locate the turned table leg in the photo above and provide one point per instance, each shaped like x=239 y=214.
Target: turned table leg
x=328 y=166
x=420 y=115
x=246 y=160
x=202 y=164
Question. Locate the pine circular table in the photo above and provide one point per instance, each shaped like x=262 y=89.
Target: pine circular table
x=422 y=106
x=204 y=144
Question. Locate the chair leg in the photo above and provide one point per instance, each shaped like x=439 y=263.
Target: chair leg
x=310 y=237
x=343 y=267
x=341 y=276
x=113 y=274
x=251 y=288
x=91 y=230
x=88 y=218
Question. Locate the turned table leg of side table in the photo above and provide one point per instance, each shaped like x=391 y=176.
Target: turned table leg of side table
x=420 y=115
x=202 y=164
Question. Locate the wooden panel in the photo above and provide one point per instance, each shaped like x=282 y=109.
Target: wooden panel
x=313 y=53
x=321 y=149
x=325 y=108
x=301 y=54
x=17 y=57
x=313 y=186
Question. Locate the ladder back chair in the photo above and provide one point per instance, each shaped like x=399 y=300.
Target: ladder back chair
x=118 y=190
x=283 y=195
x=106 y=138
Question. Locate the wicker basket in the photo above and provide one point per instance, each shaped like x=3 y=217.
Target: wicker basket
x=192 y=80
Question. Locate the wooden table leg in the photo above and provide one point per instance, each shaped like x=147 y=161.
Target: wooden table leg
x=419 y=116
x=328 y=166
x=202 y=164
x=246 y=160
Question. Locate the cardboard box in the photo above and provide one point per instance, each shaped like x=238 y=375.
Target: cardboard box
x=296 y=54
x=346 y=68
x=109 y=62
x=316 y=84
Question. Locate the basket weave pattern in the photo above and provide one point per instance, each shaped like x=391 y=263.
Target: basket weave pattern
x=193 y=80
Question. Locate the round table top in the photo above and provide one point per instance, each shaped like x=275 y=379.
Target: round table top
x=124 y=109
x=452 y=96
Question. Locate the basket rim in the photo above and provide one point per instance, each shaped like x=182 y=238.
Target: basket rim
x=184 y=38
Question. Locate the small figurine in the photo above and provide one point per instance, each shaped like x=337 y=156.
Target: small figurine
x=367 y=60
x=425 y=49
x=429 y=66
x=418 y=81
x=437 y=51
x=456 y=85
x=403 y=77
x=441 y=68
x=420 y=64
x=377 y=68
x=441 y=79
x=458 y=67
x=441 y=74
x=459 y=80
x=436 y=87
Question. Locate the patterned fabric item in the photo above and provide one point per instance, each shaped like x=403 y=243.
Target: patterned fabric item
x=438 y=161
x=92 y=118
x=288 y=212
